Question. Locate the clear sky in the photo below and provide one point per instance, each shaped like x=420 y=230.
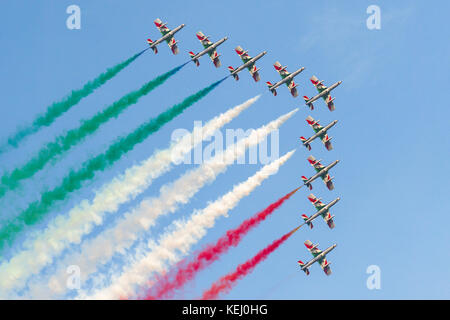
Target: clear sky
x=392 y=137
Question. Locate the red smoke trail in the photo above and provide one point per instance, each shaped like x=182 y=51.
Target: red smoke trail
x=184 y=271
x=225 y=283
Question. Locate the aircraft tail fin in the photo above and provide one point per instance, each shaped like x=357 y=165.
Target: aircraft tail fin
x=305 y=217
x=235 y=75
x=307 y=145
x=270 y=85
x=301 y=264
x=305 y=179
x=154 y=48
x=310 y=105
x=197 y=63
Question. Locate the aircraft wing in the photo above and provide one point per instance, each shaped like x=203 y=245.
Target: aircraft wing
x=318 y=84
x=281 y=70
x=245 y=57
x=203 y=39
x=329 y=101
x=326 y=141
x=316 y=164
x=313 y=249
x=161 y=27
x=325 y=266
x=314 y=124
x=214 y=57
x=172 y=45
x=316 y=202
x=328 y=181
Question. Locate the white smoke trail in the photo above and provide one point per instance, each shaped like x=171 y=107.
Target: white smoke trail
x=97 y=251
x=177 y=241
x=45 y=245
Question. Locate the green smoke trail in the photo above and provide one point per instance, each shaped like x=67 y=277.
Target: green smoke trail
x=58 y=108
x=73 y=181
x=10 y=181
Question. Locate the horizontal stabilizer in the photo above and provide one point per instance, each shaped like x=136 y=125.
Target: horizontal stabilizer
x=305 y=218
x=310 y=105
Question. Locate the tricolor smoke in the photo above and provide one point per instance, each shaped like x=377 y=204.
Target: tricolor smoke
x=226 y=283
x=69 y=229
x=186 y=271
x=74 y=180
x=118 y=238
x=58 y=108
x=10 y=180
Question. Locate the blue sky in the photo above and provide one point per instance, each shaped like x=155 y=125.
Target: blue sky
x=392 y=136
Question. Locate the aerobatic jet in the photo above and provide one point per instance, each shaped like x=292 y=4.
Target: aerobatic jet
x=324 y=92
x=287 y=78
x=249 y=63
x=322 y=172
x=322 y=210
x=167 y=35
x=320 y=132
x=319 y=256
x=209 y=48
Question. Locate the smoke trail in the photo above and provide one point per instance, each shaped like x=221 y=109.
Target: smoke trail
x=225 y=283
x=186 y=271
x=183 y=234
x=73 y=181
x=58 y=108
x=63 y=231
x=117 y=239
x=64 y=142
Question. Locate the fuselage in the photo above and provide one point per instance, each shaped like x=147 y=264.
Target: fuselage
x=320 y=132
x=210 y=48
x=324 y=92
x=322 y=172
x=249 y=63
x=319 y=256
x=287 y=78
x=167 y=35
x=323 y=210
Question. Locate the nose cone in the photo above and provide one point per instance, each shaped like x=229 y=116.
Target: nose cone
x=335 y=121
x=225 y=38
x=337 y=161
x=183 y=25
x=338 y=198
x=264 y=52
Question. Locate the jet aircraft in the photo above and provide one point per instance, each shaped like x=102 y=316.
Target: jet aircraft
x=249 y=63
x=287 y=78
x=209 y=48
x=324 y=92
x=320 y=132
x=318 y=256
x=167 y=35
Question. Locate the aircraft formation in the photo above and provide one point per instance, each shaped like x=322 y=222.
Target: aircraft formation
x=321 y=132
